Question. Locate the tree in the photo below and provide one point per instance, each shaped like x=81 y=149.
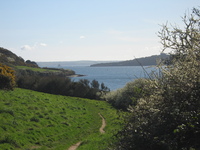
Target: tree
x=104 y=88
x=95 y=84
x=7 y=78
x=169 y=118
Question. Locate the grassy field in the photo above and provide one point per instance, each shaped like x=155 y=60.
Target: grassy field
x=40 y=69
x=33 y=120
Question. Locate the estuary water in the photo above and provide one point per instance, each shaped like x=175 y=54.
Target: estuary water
x=113 y=77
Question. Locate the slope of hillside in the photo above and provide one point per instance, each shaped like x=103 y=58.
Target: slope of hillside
x=34 y=120
x=29 y=67
x=9 y=58
x=145 y=61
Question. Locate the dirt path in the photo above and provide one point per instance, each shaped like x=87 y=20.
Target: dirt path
x=75 y=146
x=101 y=129
x=103 y=124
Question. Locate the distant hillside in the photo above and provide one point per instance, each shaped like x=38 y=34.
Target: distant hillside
x=145 y=61
x=24 y=68
x=9 y=58
x=64 y=64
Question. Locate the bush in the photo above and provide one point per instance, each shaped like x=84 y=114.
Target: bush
x=47 y=84
x=53 y=85
x=28 y=82
x=7 y=77
x=128 y=95
x=169 y=118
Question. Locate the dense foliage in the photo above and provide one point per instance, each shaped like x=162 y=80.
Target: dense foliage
x=63 y=86
x=7 y=77
x=169 y=118
x=128 y=95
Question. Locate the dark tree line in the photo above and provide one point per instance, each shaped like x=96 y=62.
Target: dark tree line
x=63 y=86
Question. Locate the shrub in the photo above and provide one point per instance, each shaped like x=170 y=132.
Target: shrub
x=169 y=118
x=53 y=85
x=47 y=84
x=27 y=82
x=128 y=95
x=7 y=77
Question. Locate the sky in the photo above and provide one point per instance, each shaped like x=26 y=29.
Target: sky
x=71 y=30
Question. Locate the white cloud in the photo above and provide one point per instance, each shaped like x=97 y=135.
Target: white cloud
x=36 y=45
x=43 y=44
x=82 y=37
x=26 y=47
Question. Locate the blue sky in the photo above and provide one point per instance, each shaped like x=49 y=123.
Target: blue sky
x=68 y=30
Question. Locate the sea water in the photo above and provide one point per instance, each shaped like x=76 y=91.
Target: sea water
x=112 y=77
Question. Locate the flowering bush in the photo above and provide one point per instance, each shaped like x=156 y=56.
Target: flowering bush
x=169 y=118
x=7 y=77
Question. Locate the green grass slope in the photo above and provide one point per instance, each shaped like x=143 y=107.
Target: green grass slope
x=33 y=120
x=43 y=69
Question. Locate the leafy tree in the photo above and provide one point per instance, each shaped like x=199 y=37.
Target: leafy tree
x=169 y=118
x=95 y=84
x=85 y=82
x=79 y=89
x=104 y=88
x=7 y=77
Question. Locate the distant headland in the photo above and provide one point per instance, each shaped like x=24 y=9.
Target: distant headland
x=144 y=61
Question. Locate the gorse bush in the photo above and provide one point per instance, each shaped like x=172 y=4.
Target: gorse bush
x=7 y=77
x=169 y=118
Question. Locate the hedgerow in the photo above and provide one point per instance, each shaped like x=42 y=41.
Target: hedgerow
x=62 y=86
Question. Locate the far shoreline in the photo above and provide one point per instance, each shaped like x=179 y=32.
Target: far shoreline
x=75 y=75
